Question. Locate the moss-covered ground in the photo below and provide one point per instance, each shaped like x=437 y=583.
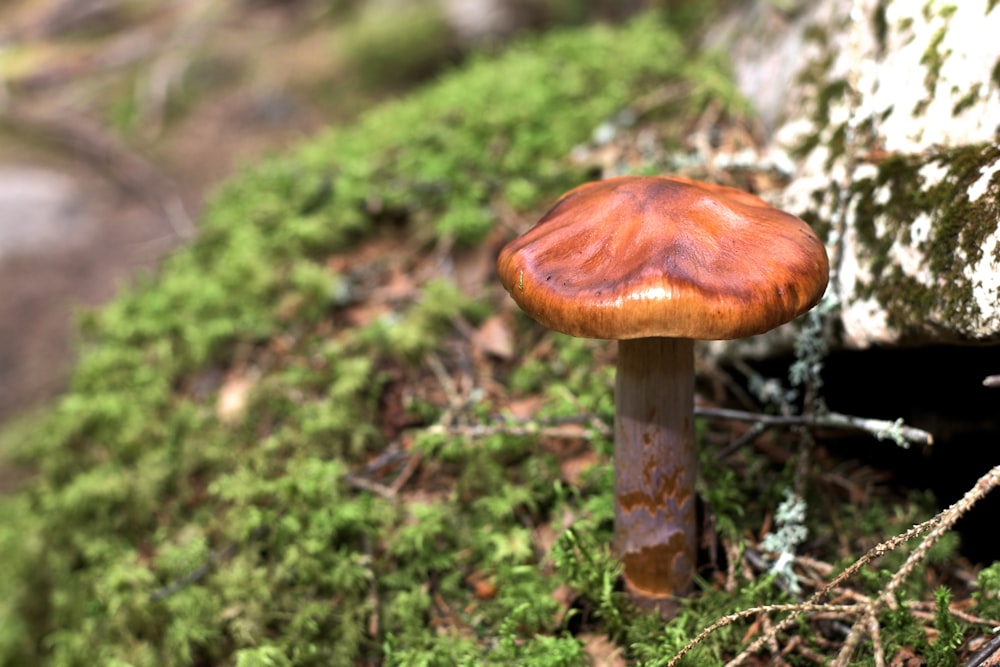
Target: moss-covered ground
x=321 y=435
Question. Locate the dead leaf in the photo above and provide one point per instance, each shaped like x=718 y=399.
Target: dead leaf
x=566 y=597
x=474 y=266
x=525 y=408
x=366 y=313
x=493 y=338
x=232 y=399
x=545 y=535
x=906 y=657
x=573 y=468
x=399 y=286
x=602 y=652
x=482 y=588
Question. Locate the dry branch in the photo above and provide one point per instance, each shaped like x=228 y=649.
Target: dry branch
x=864 y=612
x=880 y=428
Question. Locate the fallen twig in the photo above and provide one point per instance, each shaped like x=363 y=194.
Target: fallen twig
x=986 y=656
x=916 y=609
x=553 y=428
x=880 y=428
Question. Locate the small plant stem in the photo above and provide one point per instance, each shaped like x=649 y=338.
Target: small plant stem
x=655 y=469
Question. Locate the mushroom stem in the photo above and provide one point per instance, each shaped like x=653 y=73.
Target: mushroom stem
x=655 y=469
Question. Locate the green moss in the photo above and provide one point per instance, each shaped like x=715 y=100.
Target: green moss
x=394 y=45
x=942 y=652
x=987 y=593
x=421 y=327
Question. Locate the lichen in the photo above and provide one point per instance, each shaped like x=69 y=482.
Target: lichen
x=959 y=229
x=968 y=100
x=880 y=26
x=932 y=59
x=885 y=181
x=827 y=92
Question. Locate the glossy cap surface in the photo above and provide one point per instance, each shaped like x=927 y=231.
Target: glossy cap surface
x=641 y=256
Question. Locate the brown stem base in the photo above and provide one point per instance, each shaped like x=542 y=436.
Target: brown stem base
x=655 y=469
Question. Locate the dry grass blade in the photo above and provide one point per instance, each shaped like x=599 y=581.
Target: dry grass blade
x=865 y=612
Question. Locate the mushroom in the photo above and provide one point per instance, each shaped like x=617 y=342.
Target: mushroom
x=656 y=262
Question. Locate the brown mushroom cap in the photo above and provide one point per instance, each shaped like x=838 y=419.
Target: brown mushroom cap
x=642 y=256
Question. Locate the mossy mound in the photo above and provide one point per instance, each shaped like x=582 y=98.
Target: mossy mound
x=159 y=533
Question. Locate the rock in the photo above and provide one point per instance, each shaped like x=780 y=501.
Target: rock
x=483 y=21
x=891 y=113
x=39 y=209
x=67 y=240
x=476 y=21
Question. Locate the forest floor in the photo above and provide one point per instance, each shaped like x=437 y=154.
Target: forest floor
x=126 y=139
